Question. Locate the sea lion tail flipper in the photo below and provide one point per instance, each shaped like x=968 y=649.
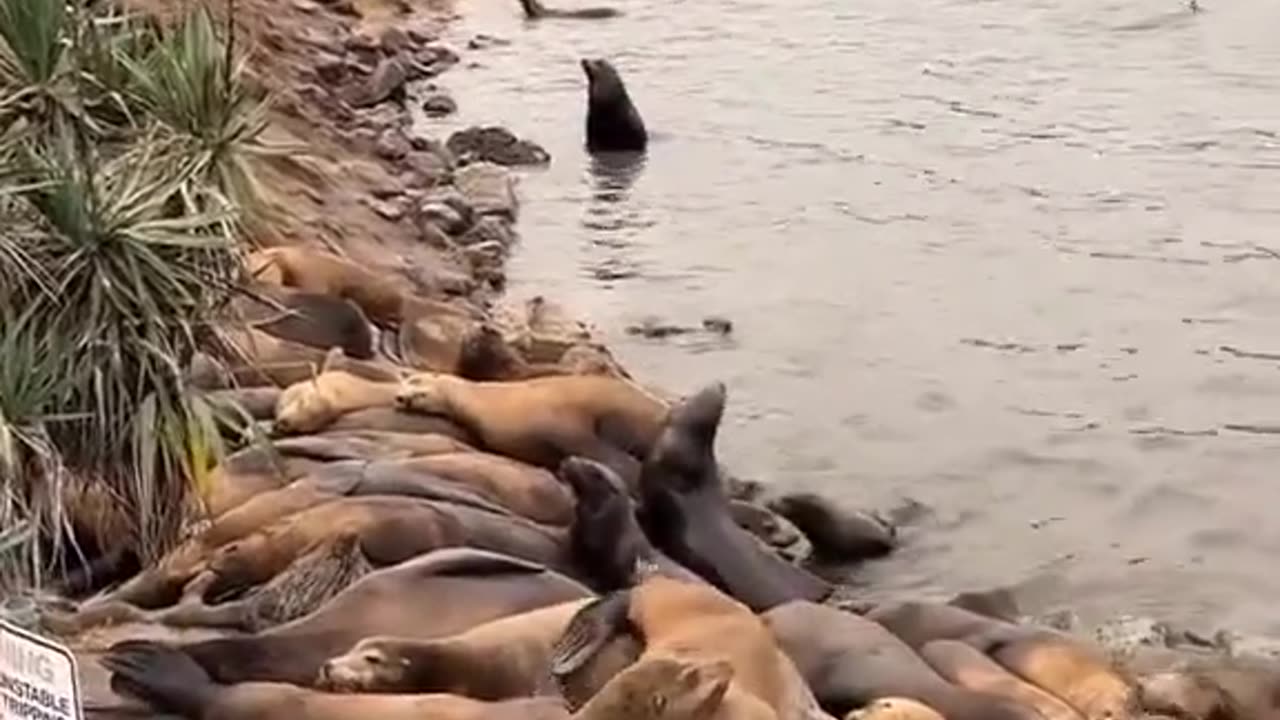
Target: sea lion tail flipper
x=165 y=677
x=589 y=631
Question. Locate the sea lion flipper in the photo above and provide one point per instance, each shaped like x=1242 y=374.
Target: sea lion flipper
x=473 y=561
x=165 y=677
x=589 y=631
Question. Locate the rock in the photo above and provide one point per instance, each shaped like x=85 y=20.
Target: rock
x=435 y=237
x=387 y=81
x=388 y=209
x=448 y=210
x=482 y=41
x=487 y=262
x=394 y=41
x=429 y=169
x=489 y=229
x=496 y=145
x=591 y=359
x=717 y=324
x=651 y=327
x=1125 y=634
x=488 y=188
x=392 y=144
x=331 y=70
x=1248 y=647
x=439 y=104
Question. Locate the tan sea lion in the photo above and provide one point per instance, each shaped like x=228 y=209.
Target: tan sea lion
x=502 y=659
x=485 y=355
x=437 y=594
x=313 y=404
x=691 y=621
x=390 y=419
x=965 y=666
x=660 y=689
x=849 y=662
x=894 y=708
x=391 y=529
x=380 y=295
x=1068 y=668
x=544 y=420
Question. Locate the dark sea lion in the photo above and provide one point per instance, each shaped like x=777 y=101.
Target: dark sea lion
x=660 y=689
x=506 y=658
x=607 y=540
x=535 y=10
x=850 y=661
x=319 y=320
x=1073 y=671
x=486 y=355
x=838 y=535
x=694 y=621
x=391 y=530
x=965 y=666
x=685 y=511
x=528 y=491
x=544 y=420
x=613 y=123
x=438 y=594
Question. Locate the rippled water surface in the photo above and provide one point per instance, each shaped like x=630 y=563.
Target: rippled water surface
x=1019 y=261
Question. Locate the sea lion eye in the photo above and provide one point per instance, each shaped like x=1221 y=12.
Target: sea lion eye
x=372 y=659
x=659 y=704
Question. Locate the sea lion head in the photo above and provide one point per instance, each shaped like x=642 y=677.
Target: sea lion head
x=663 y=688
x=302 y=407
x=371 y=666
x=424 y=393
x=683 y=458
x=485 y=355
x=836 y=533
x=605 y=534
x=603 y=82
x=894 y=708
x=242 y=563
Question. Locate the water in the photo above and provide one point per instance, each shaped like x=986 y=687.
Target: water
x=1018 y=261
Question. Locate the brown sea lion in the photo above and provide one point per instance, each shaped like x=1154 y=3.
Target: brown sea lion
x=965 y=666
x=659 y=689
x=433 y=338
x=319 y=320
x=895 y=709
x=391 y=529
x=850 y=661
x=685 y=511
x=505 y=658
x=694 y=621
x=258 y=402
x=1069 y=669
x=837 y=534
x=247 y=357
x=438 y=594
x=607 y=540
x=313 y=404
x=379 y=294
x=485 y=355
x=528 y=491
x=544 y=420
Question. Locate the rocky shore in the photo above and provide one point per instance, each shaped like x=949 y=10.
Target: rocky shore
x=438 y=217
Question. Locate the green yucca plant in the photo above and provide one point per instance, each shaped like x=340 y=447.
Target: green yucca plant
x=193 y=81
x=33 y=57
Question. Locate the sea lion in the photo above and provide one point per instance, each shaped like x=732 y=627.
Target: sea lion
x=391 y=419
x=850 y=661
x=380 y=295
x=315 y=319
x=505 y=658
x=434 y=339
x=535 y=10
x=248 y=357
x=613 y=123
x=437 y=594
x=259 y=403
x=544 y=420
x=528 y=491
x=694 y=621
x=391 y=529
x=685 y=511
x=895 y=709
x=965 y=666
x=659 y=689
x=313 y=404
x=838 y=535
x=1069 y=669
x=486 y=355
x=607 y=540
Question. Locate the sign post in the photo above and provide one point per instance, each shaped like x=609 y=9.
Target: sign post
x=38 y=678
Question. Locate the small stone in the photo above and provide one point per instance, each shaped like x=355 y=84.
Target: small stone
x=392 y=145
x=429 y=169
x=488 y=189
x=482 y=41
x=441 y=216
x=439 y=104
x=496 y=145
x=331 y=70
x=387 y=81
x=344 y=7
x=489 y=229
x=394 y=40
x=387 y=209
x=306 y=6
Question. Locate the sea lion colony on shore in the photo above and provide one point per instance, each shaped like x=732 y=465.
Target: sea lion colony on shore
x=562 y=545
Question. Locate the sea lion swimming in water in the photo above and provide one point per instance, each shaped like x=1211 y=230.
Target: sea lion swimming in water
x=535 y=10
x=613 y=123
x=850 y=661
x=685 y=511
x=438 y=594
x=658 y=689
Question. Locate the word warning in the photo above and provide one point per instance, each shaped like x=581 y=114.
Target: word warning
x=38 y=678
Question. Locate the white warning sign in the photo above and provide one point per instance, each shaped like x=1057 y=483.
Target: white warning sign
x=38 y=678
